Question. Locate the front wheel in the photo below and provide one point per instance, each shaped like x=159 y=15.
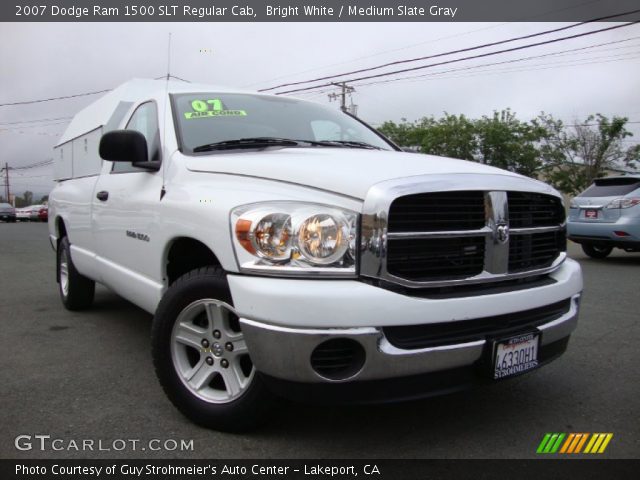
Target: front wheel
x=201 y=358
x=595 y=251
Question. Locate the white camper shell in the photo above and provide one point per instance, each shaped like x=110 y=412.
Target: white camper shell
x=76 y=154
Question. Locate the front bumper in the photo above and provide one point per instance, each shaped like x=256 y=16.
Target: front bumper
x=284 y=320
x=285 y=353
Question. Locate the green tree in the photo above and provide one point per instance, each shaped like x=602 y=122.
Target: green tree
x=405 y=134
x=575 y=156
x=28 y=197
x=450 y=136
x=508 y=143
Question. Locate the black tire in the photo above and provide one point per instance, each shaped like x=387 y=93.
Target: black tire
x=80 y=290
x=596 y=251
x=241 y=414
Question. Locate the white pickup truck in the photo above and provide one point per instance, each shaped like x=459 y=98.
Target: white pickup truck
x=288 y=249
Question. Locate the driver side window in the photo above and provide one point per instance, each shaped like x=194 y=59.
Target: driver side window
x=145 y=121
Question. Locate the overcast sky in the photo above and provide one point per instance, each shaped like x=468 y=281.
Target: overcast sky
x=56 y=59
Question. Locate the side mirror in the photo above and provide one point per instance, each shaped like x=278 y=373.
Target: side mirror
x=126 y=146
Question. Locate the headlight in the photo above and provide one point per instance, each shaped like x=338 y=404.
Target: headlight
x=291 y=238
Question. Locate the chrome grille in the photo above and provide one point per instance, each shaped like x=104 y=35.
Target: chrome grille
x=415 y=237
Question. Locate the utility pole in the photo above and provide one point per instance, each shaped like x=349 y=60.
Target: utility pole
x=7 y=190
x=346 y=90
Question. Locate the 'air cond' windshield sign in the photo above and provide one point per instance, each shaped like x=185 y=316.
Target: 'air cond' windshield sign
x=211 y=108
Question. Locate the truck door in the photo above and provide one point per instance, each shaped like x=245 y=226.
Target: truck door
x=125 y=218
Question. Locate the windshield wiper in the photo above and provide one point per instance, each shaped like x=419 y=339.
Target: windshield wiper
x=253 y=142
x=263 y=142
x=350 y=143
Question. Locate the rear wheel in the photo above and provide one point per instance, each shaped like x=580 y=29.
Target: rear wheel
x=201 y=358
x=76 y=290
x=596 y=251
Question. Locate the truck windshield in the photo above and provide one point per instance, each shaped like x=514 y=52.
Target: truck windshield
x=206 y=120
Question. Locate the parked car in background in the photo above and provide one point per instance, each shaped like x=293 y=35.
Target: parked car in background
x=43 y=213
x=7 y=212
x=607 y=216
x=23 y=214
x=34 y=212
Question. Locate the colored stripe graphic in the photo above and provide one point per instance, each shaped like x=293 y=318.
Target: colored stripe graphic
x=572 y=443
x=543 y=443
x=598 y=443
x=582 y=442
x=550 y=443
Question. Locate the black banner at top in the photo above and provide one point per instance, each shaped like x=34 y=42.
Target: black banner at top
x=319 y=10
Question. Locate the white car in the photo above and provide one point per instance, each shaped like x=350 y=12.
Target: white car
x=288 y=249
x=23 y=214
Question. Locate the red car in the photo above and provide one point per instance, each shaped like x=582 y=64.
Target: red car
x=43 y=214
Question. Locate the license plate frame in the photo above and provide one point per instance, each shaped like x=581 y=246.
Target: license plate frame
x=591 y=214
x=503 y=366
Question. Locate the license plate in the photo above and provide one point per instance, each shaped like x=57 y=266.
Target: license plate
x=515 y=355
x=591 y=214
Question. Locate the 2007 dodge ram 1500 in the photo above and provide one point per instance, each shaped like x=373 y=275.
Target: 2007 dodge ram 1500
x=285 y=248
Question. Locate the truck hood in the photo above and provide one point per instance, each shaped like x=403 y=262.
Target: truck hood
x=345 y=171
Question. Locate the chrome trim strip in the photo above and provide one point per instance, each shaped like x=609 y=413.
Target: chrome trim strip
x=470 y=233
x=440 y=234
x=375 y=214
x=312 y=331
x=496 y=248
x=524 y=231
x=387 y=348
x=484 y=277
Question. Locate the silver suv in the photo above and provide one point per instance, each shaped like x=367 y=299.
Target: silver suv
x=607 y=216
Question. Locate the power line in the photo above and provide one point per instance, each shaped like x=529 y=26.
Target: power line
x=39 y=164
x=441 y=75
x=44 y=134
x=473 y=67
x=19 y=127
x=482 y=55
x=37 y=120
x=452 y=52
x=413 y=45
x=55 y=98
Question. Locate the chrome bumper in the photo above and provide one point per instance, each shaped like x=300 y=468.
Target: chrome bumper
x=285 y=352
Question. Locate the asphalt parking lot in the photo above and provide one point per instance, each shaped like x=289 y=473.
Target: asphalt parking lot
x=89 y=376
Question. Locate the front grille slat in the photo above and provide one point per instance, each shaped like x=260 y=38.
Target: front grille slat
x=450 y=333
x=425 y=259
x=528 y=210
x=464 y=209
x=450 y=257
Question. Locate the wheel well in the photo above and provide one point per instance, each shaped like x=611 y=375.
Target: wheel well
x=61 y=230
x=186 y=254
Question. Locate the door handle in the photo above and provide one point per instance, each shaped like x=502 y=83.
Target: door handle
x=102 y=196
